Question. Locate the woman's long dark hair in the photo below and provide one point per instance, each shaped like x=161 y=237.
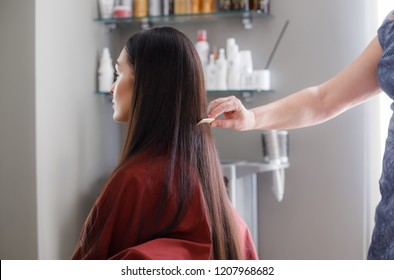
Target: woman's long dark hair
x=168 y=100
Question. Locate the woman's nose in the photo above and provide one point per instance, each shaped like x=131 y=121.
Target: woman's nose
x=111 y=90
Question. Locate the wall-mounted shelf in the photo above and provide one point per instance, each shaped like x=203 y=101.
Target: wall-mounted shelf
x=237 y=169
x=148 y=21
x=240 y=91
x=218 y=91
x=245 y=94
x=244 y=168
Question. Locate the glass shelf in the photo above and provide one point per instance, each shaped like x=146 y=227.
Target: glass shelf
x=180 y=18
x=244 y=167
x=242 y=91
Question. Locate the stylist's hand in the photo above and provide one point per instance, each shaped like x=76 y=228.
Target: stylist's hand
x=236 y=116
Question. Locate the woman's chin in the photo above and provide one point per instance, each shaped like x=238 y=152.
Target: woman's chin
x=118 y=118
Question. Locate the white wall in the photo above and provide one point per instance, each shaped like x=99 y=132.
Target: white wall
x=76 y=138
x=18 y=229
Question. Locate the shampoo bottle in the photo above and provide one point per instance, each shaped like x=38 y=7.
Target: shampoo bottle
x=154 y=8
x=233 y=73
x=195 y=6
x=202 y=46
x=221 y=71
x=246 y=69
x=181 y=7
x=210 y=74
x=140 y=8
x=207 y=6
x=166 y=7
x=105 y=72
x=229 y=43
x=106 y=8
x=225 y=5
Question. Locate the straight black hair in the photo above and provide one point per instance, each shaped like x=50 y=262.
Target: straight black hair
x=168 y=100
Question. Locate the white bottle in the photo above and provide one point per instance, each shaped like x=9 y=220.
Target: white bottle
x=221 y=71
x=166 y=7
x=246 y=69
x=233 y=73
x=210 y=74
x=106 y=7
x=230 y=42
x=105 y=72
x=154 y=8
x=202 y=46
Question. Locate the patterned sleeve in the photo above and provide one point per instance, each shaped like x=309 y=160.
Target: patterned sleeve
x=386 y=62
x=386 y=33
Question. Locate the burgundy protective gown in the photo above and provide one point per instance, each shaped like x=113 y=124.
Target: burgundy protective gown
x=125 y=223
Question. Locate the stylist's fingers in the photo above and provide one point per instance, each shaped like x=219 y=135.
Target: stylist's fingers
x=224 y=105
x=236 y=120
x=236 y=116
x=225 y=123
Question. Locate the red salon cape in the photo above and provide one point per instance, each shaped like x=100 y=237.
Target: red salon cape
x=122 y=226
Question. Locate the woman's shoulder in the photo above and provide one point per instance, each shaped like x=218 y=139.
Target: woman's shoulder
x=386 y=31
x=142 y=172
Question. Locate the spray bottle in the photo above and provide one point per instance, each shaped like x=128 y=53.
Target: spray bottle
x=202 y=46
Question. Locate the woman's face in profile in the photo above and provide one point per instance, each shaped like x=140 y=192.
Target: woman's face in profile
x=122 y=88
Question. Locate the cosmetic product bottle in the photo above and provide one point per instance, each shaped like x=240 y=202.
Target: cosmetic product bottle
x=233 y=73
x=195 y=6
x=122 y=12
x=122 y=9
x=106 y=8
x=245 y=5
x=229 y=43
x=140 y=8
x=225 y=5
x=105 y=71
x=181 y=7
x=262 y=79
x=267 y=7
x=221 y=71
x=263 y=6
x=210 y=74
x=236 y=5
x=166 y=7
x=253 y=4
x=202 y=46
x=246 y=69
x=207 y=6
x=154 y=8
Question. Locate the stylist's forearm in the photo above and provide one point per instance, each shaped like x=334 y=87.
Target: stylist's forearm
x=304 y=108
